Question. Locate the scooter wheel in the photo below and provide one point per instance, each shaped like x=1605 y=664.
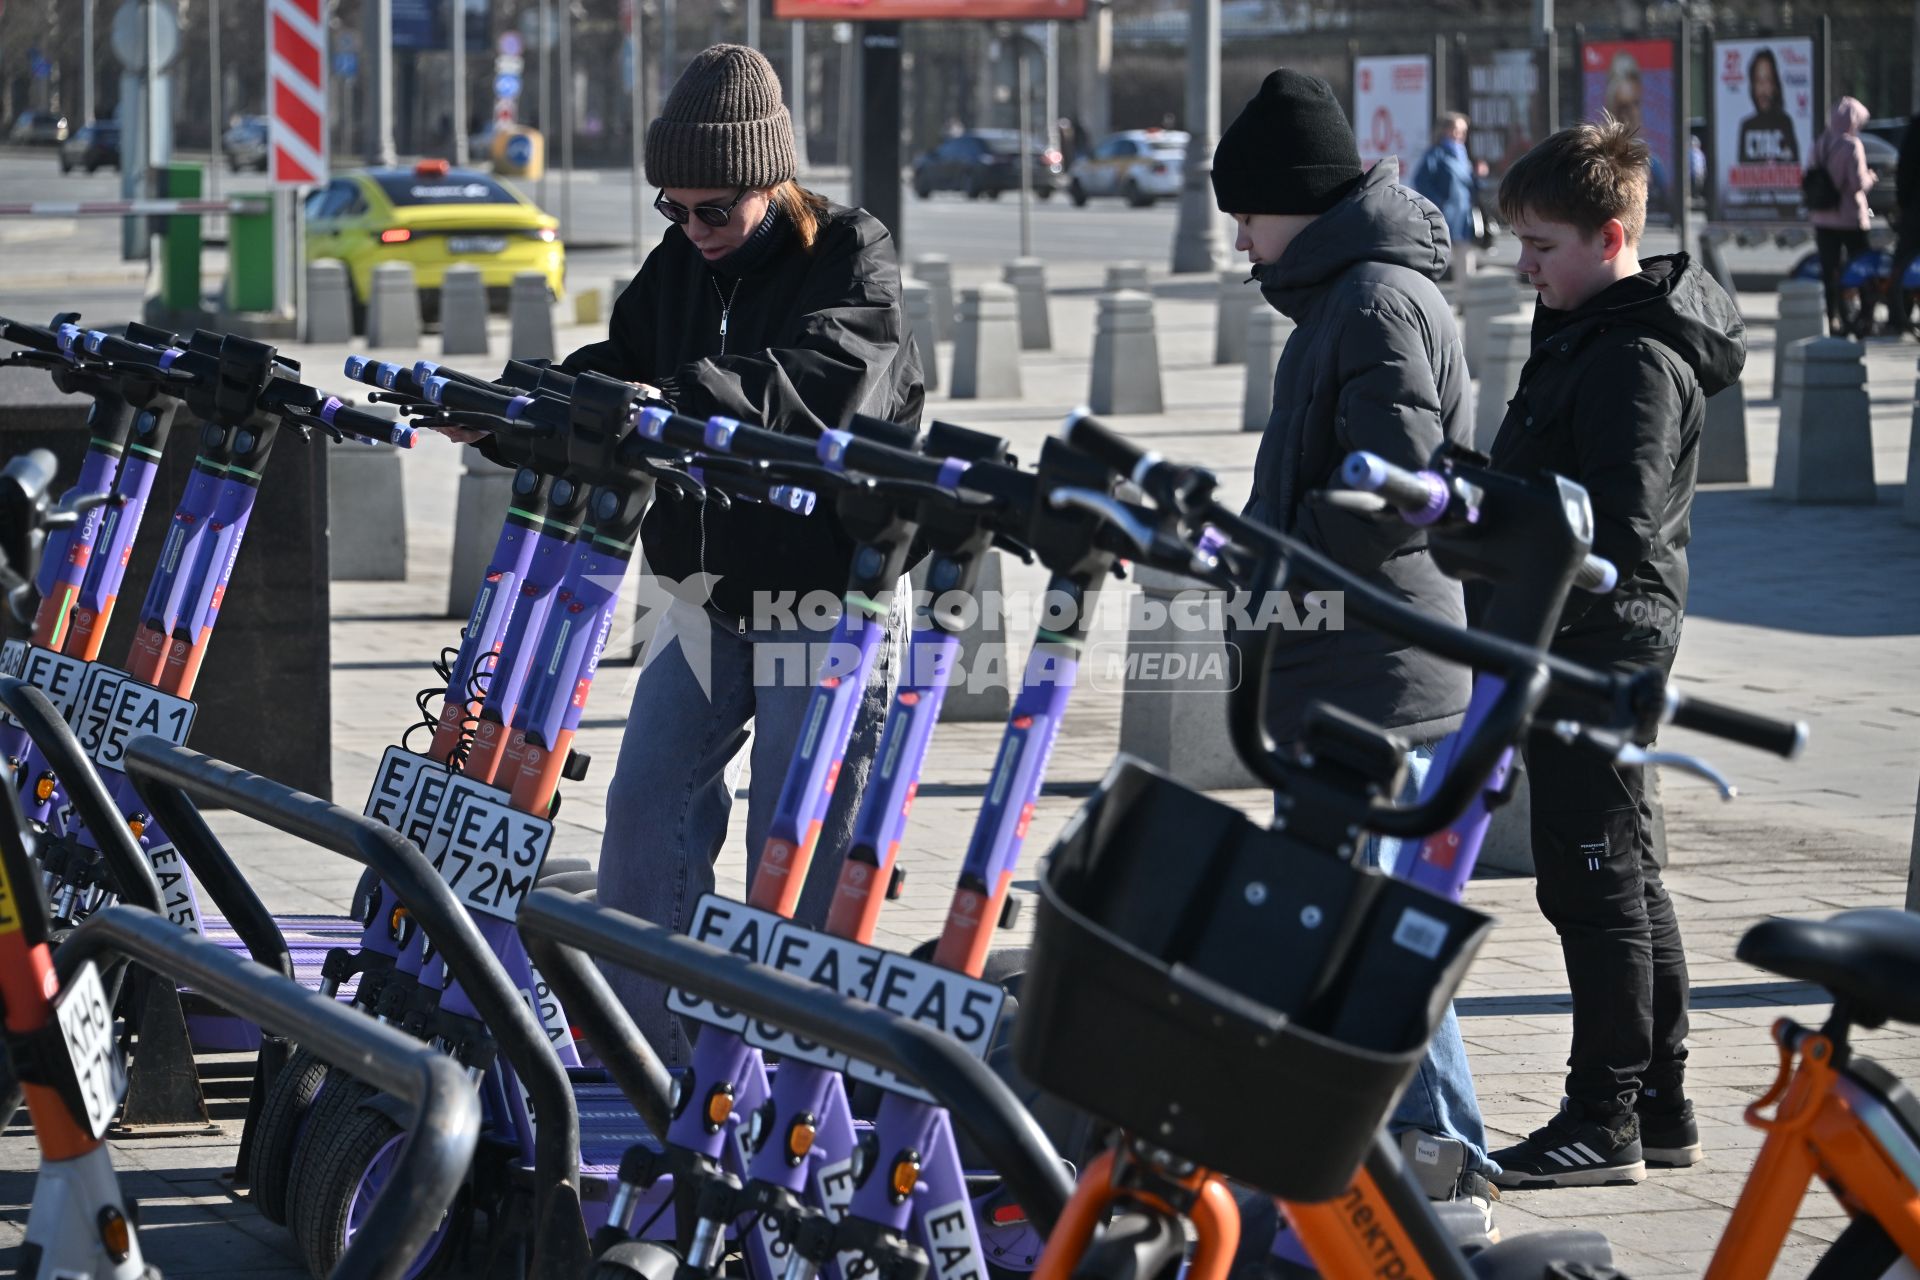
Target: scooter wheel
x=636 y=1260
x=339 y=1100
x=277 y=1132
x=351 y=1164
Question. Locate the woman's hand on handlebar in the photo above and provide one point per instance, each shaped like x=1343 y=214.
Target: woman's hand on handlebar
x=461 y=435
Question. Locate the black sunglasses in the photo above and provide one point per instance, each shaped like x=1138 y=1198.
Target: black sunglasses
x=714 y=215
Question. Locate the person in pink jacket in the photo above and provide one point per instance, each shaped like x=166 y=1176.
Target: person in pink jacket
x=1841 y=232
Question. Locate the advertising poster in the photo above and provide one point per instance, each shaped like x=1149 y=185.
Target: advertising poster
x=1764 y=127
x=1393 y=108
x=1506 y=106
x=1633 y=81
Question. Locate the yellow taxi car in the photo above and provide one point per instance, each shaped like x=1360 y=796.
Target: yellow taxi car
x=433 y=216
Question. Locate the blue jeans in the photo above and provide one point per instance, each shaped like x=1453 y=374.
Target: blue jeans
x=1440 y=1098
x=673 y=787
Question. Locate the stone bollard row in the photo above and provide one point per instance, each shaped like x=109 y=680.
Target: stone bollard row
x=1826 y=429
x=329 y=302
x=463 y=312
x=1126 y=356
x=1509 y=343
x=1803 y=314
x=1230 y=322
x=916 y=303
x=1267 y=334
x=986 y=348
x=530 y=318
x=1128 y=275
x=393 y=309
x=936 y=272
x=1028 y=278
x=1489 y=294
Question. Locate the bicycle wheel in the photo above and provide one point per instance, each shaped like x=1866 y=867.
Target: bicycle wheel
x=1864 y=1251
x=270 y=1161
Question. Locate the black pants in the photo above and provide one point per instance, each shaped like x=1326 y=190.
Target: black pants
x=1599 y=885
x=1836 y=248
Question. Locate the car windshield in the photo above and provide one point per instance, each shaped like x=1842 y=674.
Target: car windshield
x=444 y=188
x=1002 y=146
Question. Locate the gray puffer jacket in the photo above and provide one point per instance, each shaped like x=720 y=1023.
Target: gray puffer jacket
x=1375 y=363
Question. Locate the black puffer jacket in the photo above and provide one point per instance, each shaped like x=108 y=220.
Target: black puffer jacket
x=812 y=338
x=1613 y=398
x=1375 y=363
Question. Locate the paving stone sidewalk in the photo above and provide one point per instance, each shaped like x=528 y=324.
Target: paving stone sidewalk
x=1797 y=611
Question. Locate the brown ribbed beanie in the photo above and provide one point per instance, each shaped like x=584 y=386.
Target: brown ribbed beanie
x=723 y=125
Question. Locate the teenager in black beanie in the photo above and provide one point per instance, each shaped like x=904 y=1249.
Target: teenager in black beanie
x=1374 y=363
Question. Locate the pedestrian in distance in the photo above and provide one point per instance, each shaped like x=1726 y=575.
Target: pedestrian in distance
x=765 y=303
x=1374 y=362
x=1906 y=222
x=1837 y=208
x=1445 y=175
x=1625 y=352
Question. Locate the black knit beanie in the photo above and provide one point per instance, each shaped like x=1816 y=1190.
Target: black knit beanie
x=1290 y=150
x=723 y=125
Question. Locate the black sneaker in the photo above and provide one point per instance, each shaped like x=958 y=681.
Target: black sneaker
x=1572 y=1152
x=1669 y=1139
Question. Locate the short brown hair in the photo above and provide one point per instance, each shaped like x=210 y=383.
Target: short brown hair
x=1584 y=176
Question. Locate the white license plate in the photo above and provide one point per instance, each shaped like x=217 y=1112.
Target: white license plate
x=493 y=852
x=476 y=244
x=839 y=964
x=963 y=1008
x=95 y=703
x=406 y=794
x=86 y=1024
x=138 y=708
x=58 y=676
x=731 y=926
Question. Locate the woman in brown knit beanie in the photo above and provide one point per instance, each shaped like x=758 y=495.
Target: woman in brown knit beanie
x=767 y=304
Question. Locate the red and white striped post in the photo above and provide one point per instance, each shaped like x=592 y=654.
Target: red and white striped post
x=297 y=94
x=297 y=132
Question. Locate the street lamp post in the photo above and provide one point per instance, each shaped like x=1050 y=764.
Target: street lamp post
x=1197 y=244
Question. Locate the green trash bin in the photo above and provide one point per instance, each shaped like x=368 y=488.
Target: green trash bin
x=180 y=241
x=250 y=259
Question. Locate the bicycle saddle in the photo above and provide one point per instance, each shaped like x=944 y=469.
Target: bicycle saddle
x=1869 y=960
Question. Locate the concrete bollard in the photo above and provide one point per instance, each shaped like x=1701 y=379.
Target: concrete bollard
x=366 y=512
x=486 y=490
x=463 y=312
x=936 y=272
x=1723 y=438
x=1128 y=275
x=1910 y=505
x=1509 y=343
x=1714 y=259
x=589 y=307
x=1267 y=334
x=329 y=302
x=916 y=302
x=1230 y=322
x=986 y=349
x=1126 y=356
x=982 y=689
x=530 y=318
x=1178 y=676
x=1826 y=428
x=1490 y=294
x=1028 y=276
x=1803 y=314
x=393 y=312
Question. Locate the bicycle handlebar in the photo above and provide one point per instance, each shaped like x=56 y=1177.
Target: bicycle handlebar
x=1170 y=484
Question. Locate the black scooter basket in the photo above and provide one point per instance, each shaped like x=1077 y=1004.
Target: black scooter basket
x=1228 y=993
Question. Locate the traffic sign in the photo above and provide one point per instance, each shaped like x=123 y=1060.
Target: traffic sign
x=519 y=150
x=297 y=92
x=346 y=64
x=511 y=46
x=506 y=86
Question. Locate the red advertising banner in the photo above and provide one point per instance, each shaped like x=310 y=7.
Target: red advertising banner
x=931 y=10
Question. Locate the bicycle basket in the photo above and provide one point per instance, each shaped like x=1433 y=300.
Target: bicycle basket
x=1227 y=992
